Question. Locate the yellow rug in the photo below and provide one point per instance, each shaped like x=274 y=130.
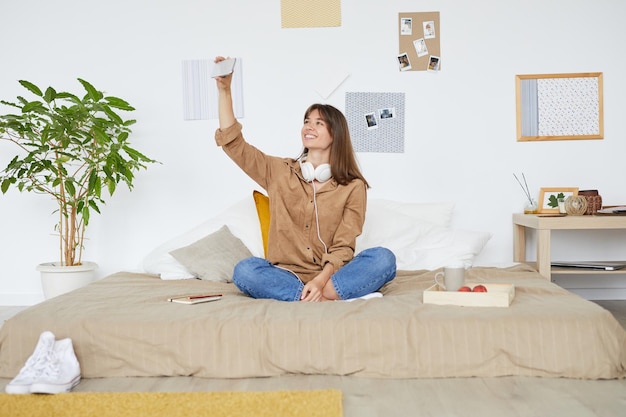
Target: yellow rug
x=322 y=403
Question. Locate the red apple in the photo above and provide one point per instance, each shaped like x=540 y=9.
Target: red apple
x=479 y=288
x=465 y=288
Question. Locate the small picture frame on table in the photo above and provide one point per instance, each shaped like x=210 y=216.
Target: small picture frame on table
x=549 y=197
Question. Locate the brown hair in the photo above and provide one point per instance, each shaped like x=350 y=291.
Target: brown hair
x=343 y=164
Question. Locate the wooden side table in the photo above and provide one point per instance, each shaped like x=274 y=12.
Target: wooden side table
x=544 y=226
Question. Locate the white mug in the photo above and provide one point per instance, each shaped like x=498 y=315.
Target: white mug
x=453 y=278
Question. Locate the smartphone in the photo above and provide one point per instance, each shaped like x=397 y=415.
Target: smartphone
x=223 y=68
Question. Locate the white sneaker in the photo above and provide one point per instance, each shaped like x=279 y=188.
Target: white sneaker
x=61 y=372
x=32 y=368
x=366 y=296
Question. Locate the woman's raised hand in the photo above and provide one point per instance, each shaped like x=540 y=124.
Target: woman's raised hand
x=225 y=101
x=223 y=83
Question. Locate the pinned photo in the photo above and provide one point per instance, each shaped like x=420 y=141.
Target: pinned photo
x=403 y=62
x=387 y=113
x=429 y=29
x=406 y=26
x=370 y=119
x=433 y=63
x=420 y=47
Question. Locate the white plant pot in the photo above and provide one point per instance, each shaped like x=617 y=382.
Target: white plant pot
x=58 y=279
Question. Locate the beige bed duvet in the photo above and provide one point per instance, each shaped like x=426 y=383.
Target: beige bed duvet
x=122 y=325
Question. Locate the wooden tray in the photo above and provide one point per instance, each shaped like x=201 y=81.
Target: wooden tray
x=497 y=295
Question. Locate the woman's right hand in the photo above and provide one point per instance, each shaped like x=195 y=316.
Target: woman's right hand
x=223 y=83
x=225 y=101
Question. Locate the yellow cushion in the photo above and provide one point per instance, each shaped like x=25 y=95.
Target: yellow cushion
x=262 y=203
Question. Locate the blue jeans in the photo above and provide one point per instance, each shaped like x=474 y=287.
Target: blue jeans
x=365 y=273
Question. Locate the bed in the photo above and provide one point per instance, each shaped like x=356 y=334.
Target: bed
x=123 y=325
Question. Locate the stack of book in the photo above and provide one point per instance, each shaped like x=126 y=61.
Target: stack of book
x=613 y=211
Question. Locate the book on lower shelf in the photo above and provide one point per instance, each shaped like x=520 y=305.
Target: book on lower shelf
x=613 y=211
x=597 y=265
x=194 y=298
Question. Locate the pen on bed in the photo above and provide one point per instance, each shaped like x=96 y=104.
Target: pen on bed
x=193 y=297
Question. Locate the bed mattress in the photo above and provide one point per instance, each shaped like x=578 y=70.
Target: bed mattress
x=123 y=325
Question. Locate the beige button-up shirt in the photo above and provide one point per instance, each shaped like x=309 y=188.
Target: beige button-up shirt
x=293 y=241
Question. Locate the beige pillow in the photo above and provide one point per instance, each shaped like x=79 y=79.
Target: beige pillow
x=213 y=257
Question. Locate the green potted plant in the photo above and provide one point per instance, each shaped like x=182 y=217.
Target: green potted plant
x=74 y=149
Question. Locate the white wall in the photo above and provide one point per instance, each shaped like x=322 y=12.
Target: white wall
x=460 y=123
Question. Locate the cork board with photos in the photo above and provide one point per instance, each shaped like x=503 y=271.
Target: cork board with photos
x=419 y=48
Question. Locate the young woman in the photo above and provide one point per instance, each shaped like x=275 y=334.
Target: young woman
x=317 y=210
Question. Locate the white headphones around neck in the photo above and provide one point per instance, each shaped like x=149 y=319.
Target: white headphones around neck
x=322 y=173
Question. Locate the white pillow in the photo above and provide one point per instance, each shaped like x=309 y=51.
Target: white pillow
x=437 y=213
x=441 y=247
x=419 y=244
x=389 y=229
x=387 y=224
x=243 y=222
x=387 y=220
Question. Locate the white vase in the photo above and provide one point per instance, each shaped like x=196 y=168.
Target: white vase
x=58 y=279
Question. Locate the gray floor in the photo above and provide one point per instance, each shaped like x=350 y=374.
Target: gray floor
x=365 y=397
